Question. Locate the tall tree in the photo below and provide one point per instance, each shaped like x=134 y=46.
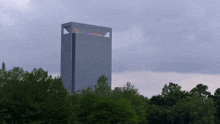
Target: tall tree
x=216 y=98
x=75 y=101
x=172 y=94
x=138 y=102
x=160 y=115
x=3 y=66
x=191 y=109
x=102 y=89
x=34 y=97
x=93 y=101
x=111 y=111
x=195 y=109
x=86 y=105
x=201 y=90
x=158 y=100
x=217 y=92
x=3 y=75
x=162 y=106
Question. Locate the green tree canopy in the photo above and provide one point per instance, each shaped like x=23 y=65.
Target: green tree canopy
x=75 y=101
x=138 y=102
x=160 y=115
x=86 y=105
x=158 y=100
x=201 y=90
x=34 y=97
x=102 y=89
x=172 y=93
x=216 y=98
x=217 y=92
x=195 y=109
x=111 y=111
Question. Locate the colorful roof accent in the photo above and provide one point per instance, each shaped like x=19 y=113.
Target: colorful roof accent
x=94 y=34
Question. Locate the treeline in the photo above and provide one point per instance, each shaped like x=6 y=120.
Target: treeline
x=37 y=98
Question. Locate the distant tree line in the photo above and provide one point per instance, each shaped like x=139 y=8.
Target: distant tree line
x=37 y=98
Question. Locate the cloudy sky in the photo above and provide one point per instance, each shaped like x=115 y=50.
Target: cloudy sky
x=154 y=41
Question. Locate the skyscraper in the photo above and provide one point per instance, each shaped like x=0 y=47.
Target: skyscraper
x=86 y=54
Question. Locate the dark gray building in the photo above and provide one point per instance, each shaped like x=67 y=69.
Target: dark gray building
x=86 y=54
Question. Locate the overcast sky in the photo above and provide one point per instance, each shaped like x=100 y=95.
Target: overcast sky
x=154 y=41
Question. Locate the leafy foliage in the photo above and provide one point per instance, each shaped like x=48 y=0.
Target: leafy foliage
x=75 y=101
x=201 y=90
x=160 y=115
x=196 y=109
x=180 y=107
x=37 y=98
x=33 y=97
x=102 y=89
x=216 y=98
x=86 y=105
x=138 y=102
x=172 y=93
x=108 y=110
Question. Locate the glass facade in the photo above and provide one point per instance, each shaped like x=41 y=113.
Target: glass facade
x=86 y=54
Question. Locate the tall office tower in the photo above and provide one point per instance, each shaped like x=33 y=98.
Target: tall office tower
x=86 y=54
